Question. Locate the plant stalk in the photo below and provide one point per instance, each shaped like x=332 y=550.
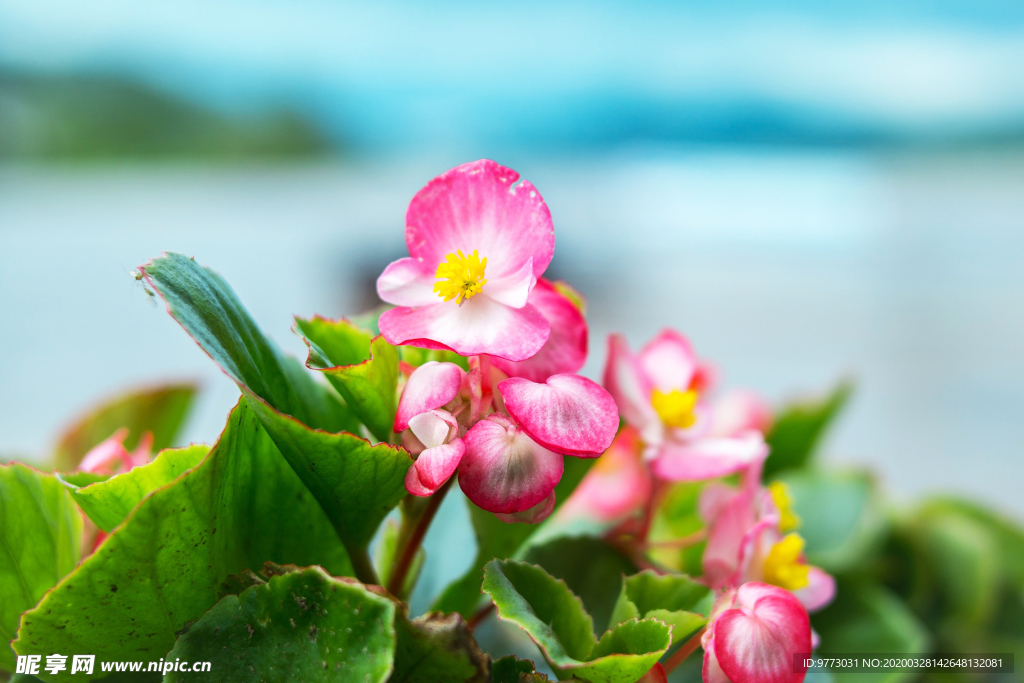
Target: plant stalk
x=405 y=558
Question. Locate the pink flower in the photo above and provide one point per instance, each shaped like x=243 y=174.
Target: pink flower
x=752 y=538
x=755 y=630
x=433 y=399
x=566 y=348
x=617 y=486
x=477 y=242
x=661 y=392
x=513 y=457
x=507 y=444
x=110 y=456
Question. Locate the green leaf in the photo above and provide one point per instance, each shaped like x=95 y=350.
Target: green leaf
x=958 y=567
x=302 y=625
x=204 y=304
x=109 y=502
x=511 y=669
x=498 y=539
x=364 y=369
x=164 y=566
x=841 y=516
x=556 y=621
x=868 y=619
x=798 y=430
x=40 y=542
x=590 y=567
x=677 y=600
x=436 y=648
x=355 y=483
x=159 y=410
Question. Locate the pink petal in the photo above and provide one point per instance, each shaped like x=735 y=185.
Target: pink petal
x=755 y=641
x=713 y=500
x=616 y=486
x=535 y=515
x=711 y=672
x=435 y=465
x=669 y=361
x=478 y=206
x=709 y=458
x=566 y=348
x=407 y=282
x=819 y=591
x=430 y=386
x=434 y=428
x=628 y=384
x=740 y=411
x=504 y=470
x=513 y=289
x=567 y=414
x=480 y=325
x=726 y=535
x=413 y=484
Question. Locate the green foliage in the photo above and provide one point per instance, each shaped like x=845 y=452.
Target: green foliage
x=590 y=567
x=40 y=542
x=355 y=483
x=868 y=619
x=205 y=305
x=798 y=430
x=164 y=566
x=557 y=622
x=302 y=625
x=841 y=516
x=511 y=669
x=677 y=600
x=498 y=539
x=159 y=410
x=364 y=369
x=109 y=502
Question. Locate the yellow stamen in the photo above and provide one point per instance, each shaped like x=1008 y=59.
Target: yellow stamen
x=783 y=499
x=676 y=407
x=460 y=277
x=784 y=565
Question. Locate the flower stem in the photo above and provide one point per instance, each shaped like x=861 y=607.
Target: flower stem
x=685 y=651
x=480 y=615
x=407 y=555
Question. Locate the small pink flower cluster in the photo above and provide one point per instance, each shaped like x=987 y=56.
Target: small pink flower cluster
x=479 y=244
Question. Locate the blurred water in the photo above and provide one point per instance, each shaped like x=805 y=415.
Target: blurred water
x=790 y=270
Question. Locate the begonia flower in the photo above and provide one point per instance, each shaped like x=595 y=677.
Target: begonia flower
x=754 y=633
x=661 y=393
x=513 y=458
x=478 y=242
x=566 y=348
x=752 y=538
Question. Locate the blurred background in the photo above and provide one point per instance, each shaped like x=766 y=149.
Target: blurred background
x=809 y=190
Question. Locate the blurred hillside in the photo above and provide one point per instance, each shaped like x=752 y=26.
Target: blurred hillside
x=64 y=117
